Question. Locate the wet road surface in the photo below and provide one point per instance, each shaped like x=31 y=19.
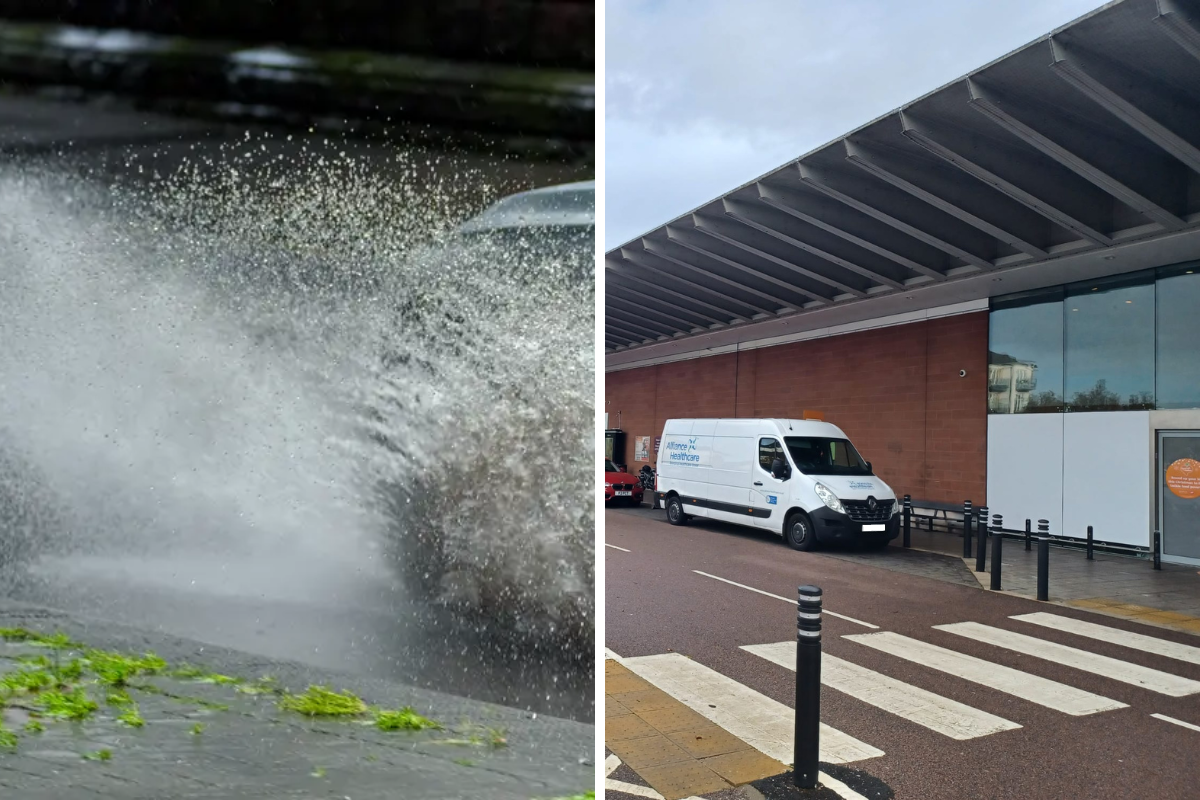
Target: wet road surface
x=657 y=603
x=333 y=616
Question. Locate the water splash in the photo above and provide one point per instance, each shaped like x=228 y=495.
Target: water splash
x=266 y=355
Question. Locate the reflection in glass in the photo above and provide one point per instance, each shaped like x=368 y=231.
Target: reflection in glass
x=1179 y=338
x=1110 y=345
x=1025 y=354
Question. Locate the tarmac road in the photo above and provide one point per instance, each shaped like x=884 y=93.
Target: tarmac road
x=656 y=603
x=338 y=617
x=246 y=748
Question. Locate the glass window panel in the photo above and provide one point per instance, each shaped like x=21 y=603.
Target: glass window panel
x=768 y=451
x=1178 y=371
x=1025 y=354
x=1110 y=345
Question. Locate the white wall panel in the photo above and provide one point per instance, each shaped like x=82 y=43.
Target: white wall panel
x=1106 y=481
x=1025 y=468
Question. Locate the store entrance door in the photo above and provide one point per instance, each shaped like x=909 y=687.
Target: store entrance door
x=1179 y=495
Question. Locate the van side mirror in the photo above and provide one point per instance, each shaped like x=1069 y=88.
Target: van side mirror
x=780 y=470
x=869 y=470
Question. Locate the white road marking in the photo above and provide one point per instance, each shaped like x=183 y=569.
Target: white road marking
x=611 y=784
x=631 y=788
x=839 y=788
x=609 y=655
x=792 y=600
x=614 y=547
x=1042 y=691
x=756 y=719
x=1176 y=721
x=1152 y=679
x=1103 y=633
x=939 y=714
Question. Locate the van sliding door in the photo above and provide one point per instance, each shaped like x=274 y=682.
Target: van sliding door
x=728 y=494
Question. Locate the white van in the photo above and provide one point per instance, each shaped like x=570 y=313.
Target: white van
x=799 y=478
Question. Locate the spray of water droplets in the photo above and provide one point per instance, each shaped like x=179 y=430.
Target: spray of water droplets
x=271 y=354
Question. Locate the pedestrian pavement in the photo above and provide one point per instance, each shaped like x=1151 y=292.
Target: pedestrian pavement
x=669 y=717
x=679 y=751
x=217 y=729
x=1117 y=585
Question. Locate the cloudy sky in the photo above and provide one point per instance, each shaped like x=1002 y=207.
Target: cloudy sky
x=705 y=95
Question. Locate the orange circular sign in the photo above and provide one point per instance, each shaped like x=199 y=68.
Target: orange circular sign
x=1183 y=478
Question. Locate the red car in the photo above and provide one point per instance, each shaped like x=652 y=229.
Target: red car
x=620 y=486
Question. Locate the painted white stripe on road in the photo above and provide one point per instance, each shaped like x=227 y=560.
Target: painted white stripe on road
x=756 y=719
x=612 y=785
x=939 y=714
x=1042 y=691
x=840 y=789
x=610 y=764
x=1103 y=633
x=1152 y=679
x=609 y=655
x=791 y=601
x=1165 y=718
x=614 y=547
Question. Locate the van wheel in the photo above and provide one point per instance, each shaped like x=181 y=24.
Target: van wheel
x=798 y=531
x=675 y=514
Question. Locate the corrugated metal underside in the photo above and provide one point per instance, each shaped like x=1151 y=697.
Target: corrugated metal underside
x=1084 y=140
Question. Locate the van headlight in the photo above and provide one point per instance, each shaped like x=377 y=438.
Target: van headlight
x=895 y=507
x=829 y=498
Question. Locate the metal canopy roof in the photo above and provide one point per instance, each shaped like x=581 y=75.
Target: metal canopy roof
x=1082 y=141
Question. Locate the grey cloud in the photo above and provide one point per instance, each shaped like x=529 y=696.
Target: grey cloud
x=735 y=82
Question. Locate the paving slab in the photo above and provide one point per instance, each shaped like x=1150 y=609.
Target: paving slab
x=661 y=746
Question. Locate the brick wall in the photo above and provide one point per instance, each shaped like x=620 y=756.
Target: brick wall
x=895 y=391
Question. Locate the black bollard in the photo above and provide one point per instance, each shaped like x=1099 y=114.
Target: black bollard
x=1043 y=575
x=907 y=520
x=967 y=529
x=1089 y=544
x=997 y=539
x=808 y=687
x=982 y=527
x=1028 y=537
x=1157 y=550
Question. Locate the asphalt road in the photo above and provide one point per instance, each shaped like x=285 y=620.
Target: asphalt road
x=656 y=603
x=344 y=616
x=249 y=748
x=341 y=613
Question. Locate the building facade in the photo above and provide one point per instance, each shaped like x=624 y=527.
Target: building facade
x=994 y=290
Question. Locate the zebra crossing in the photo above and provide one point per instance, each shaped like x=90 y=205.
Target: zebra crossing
x=767 y=724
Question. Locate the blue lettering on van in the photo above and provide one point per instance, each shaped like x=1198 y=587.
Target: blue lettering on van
x=861 y=485
x=772 y=500
x=680 y=453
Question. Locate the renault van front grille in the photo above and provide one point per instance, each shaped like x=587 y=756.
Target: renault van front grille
x=860 y=510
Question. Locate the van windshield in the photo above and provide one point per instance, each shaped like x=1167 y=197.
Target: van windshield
x=817 y=455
